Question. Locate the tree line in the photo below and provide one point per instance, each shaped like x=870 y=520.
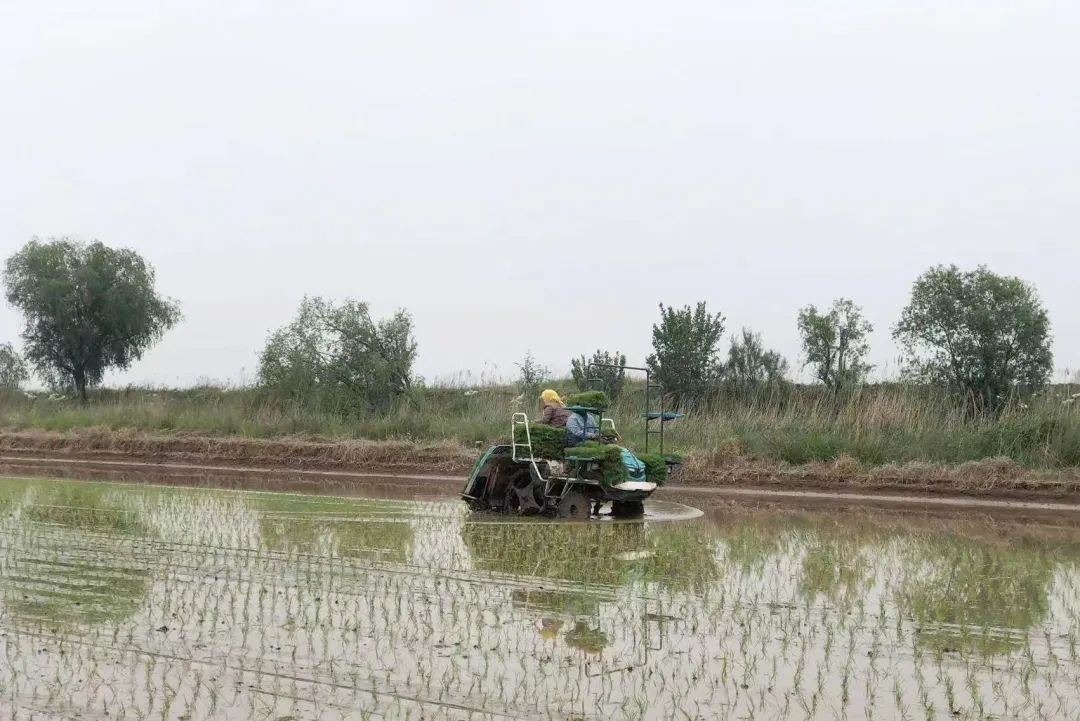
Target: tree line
x=984 y=336
x=89 y=308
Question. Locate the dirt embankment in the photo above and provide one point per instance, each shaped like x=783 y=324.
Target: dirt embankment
x=996 y=477
x=279 y=453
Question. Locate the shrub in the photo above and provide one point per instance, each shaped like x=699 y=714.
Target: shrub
x=750 y=366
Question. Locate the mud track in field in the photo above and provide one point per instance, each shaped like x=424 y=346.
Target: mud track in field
x=416 y=486
x=341 y=462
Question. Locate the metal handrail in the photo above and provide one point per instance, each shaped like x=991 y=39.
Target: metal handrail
x=521 y=419
x=649 y=385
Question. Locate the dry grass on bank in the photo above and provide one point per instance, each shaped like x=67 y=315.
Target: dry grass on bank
x=882 y=434
x=101 y=443
x=991 y=476
x=995 y=476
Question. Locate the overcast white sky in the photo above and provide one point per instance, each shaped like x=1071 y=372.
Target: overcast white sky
x=540 y=175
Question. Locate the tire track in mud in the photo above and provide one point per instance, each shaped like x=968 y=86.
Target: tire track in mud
x=884 y=498
x=424 y=485
x=269 y=470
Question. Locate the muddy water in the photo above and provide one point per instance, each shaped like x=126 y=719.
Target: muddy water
x=126 y=601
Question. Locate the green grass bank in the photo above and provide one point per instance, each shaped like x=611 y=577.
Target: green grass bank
x=882 y=429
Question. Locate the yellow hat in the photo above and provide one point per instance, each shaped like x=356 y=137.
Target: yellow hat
x=550 y=397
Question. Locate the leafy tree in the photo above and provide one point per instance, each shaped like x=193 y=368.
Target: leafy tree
x=88 y=308
x=335 y=354
x=684 y=345
x=610 y=379
x=977 y=331
x=835 y=343
x=750 y=366
x=531 y=375
x=12 y=367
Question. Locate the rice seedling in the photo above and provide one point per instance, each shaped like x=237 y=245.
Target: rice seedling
x=148 y=603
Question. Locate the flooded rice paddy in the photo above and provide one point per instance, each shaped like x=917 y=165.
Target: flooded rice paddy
x=139 y=602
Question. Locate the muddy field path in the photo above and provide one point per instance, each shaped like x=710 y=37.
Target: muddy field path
x=314 y=463
x=389 y=484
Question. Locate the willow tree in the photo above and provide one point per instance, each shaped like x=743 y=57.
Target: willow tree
x=88 y=308
x=12 y=368
x=335 y=355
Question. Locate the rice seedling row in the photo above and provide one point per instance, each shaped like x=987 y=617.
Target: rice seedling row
x=139 y=603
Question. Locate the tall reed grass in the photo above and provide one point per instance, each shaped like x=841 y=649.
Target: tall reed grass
x=876 y=425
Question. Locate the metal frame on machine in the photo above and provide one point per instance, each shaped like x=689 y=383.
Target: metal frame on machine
x=649 y=386
x=521 y=420
x=557 y=484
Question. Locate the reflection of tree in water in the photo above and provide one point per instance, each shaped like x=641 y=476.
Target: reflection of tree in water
x=748 y=542
x=834 y=555
x=678 y=557
x=12 y=493
x=88 y=507
x=346 y=528
x=54 y=577
x=836 y=562
x=978 y=595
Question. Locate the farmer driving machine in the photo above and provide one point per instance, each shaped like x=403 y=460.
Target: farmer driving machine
x=573 y=472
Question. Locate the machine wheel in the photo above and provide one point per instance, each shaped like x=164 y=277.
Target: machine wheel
x=574 y=506
x=521 y=495
x=627 y=509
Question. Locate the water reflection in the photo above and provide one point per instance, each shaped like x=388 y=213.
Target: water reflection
x=981 y=595
x=351 y=529
x=48 y=576
x=190 y=604
x=674 y=556
x=600 y=561
x=835 y=566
